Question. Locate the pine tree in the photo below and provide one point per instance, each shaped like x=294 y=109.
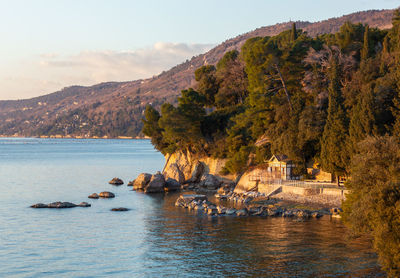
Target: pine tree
x=366 y=50
x=334 y=155
x=294 y=32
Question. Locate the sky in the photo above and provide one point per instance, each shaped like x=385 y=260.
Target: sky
x=46 y=45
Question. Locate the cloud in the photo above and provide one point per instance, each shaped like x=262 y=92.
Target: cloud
x=100 y=66
x=50 y=72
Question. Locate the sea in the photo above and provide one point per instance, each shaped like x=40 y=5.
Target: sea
x=154 y=238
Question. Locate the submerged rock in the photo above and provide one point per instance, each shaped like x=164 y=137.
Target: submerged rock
x=93 y=196
x=106 y=194
x=119 y=209
x=230 y=211
x=116 y=181
x=39 y=205
x=185 y=199
x=141 y=181
x=60 y=205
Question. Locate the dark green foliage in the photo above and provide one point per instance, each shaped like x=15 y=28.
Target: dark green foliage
x=294 y=32
x=366 y=50
x=207 y=84
x=334 y=156
x=373 y=206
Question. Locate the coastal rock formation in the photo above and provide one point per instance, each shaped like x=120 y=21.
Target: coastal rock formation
x=210 y=182
x=193 y=166
x=172 y=185
x=116 y=181
x=156 y=184
x=93 y=196
x=106 y=194
x=59 y=205
x=141 y=181
x=197 y=173
x=130 y=183
x=175 y=173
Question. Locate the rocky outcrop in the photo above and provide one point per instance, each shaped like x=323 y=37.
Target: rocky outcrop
x=116 y=181
x=210 y=182
x=175 y=173
x=192 y=167
x=156 y=184
x=141 y=181
x=198 y=171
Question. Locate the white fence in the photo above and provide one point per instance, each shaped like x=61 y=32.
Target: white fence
x=298 y=183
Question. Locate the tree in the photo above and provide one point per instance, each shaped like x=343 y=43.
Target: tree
x=373 y=204
x=207 y=84
x=152 y=129
x=334 y=156
x=294 y=32
x=366 y=50
x=363 y=122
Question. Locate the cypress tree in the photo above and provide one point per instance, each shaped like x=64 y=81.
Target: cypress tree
x=363 y=123
x=294 y=32
x=366 y=51
x=334 y=157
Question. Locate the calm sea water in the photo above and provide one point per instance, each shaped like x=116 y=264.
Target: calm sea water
x=153 y=239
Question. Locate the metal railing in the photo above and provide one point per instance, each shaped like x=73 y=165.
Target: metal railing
x=297 y=183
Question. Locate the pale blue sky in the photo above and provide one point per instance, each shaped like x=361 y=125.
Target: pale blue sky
x=48 y=44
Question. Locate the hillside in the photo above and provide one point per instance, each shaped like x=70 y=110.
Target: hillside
x=115 y=108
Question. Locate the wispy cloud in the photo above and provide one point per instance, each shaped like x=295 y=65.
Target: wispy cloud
x=49 y=72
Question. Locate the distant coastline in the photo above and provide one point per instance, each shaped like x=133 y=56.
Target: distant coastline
x=76 y=137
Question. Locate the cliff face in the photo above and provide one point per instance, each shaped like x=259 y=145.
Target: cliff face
x=182 y=165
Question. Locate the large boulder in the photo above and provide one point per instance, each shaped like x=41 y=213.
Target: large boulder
x=116 y=181
x=210 y=182
x=156 y=184
x=172 y=185
x=141 y=181
x=198 y=171
x=106 y=194
x=173 y=172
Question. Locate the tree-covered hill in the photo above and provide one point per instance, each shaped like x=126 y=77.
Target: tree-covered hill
x=116 y=108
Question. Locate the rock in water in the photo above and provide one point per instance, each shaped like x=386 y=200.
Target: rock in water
x=156 y=184
x=106 y=194
x=119 y=209
x=116 y=181
x=61 y=205
x=141 y=181
x=39 y=205
x=175 y=173
x=172 y=185
x=84 y=205
x=93 y=196
x=130 y=183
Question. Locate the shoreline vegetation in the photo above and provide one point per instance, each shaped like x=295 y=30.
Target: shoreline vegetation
x=293 y=107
